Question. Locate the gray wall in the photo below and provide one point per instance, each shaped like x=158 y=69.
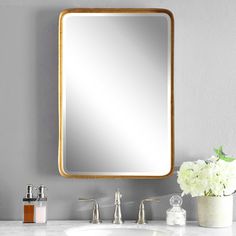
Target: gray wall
x=205 y=96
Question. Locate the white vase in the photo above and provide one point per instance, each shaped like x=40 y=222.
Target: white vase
x=215 y=211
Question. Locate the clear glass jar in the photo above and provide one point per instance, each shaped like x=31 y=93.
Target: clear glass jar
x=176 y=215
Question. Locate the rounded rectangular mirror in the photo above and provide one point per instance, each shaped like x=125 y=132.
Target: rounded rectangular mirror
x=116 y=93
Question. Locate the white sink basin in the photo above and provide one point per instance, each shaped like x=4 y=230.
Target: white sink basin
x=122 y=230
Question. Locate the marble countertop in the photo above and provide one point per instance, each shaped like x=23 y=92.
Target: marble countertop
x=60 y=228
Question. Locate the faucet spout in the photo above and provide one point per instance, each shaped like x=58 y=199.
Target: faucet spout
x=117 y=213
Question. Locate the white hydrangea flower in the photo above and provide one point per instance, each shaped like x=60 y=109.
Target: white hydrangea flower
x=214 y=177
x=213 y=158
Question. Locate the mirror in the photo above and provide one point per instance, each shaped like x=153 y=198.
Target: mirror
x=116 y=93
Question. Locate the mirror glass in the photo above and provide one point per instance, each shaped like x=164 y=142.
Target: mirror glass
x=115 y=94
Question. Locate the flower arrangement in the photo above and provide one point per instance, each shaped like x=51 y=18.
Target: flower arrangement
x=214 y=177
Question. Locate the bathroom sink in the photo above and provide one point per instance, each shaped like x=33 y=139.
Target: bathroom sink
x=116 y=230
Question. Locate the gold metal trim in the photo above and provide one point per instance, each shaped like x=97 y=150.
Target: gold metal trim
x=60 y=145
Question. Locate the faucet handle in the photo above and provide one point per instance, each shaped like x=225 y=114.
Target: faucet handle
x=141 y=212
x=151 y=199
x=96 y=213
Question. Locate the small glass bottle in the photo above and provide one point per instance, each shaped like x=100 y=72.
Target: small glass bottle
x=176 y=215
x=29 y=205
x=41 y=206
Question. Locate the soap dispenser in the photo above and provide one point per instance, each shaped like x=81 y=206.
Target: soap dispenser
x=41 y=206
x=29 y=205
x=176 y=215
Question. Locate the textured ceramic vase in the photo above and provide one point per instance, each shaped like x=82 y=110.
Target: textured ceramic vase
x=215 y=211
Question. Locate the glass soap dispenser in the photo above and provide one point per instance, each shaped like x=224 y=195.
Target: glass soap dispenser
x=29 y=205
x=176 y=215
x=41 y=206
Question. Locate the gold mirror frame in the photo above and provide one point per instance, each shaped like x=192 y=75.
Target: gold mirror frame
x=60 y=90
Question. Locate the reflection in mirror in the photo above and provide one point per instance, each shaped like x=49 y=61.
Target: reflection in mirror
x=116 y=94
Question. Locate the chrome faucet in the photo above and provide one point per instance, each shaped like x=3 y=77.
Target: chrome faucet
x=141 y=213
x=117 y=213
x=96 y=213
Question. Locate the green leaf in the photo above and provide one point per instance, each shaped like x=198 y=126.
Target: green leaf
x=221 y=155
x=228 y=159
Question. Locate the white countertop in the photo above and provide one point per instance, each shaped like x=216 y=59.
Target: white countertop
x=58 y=228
